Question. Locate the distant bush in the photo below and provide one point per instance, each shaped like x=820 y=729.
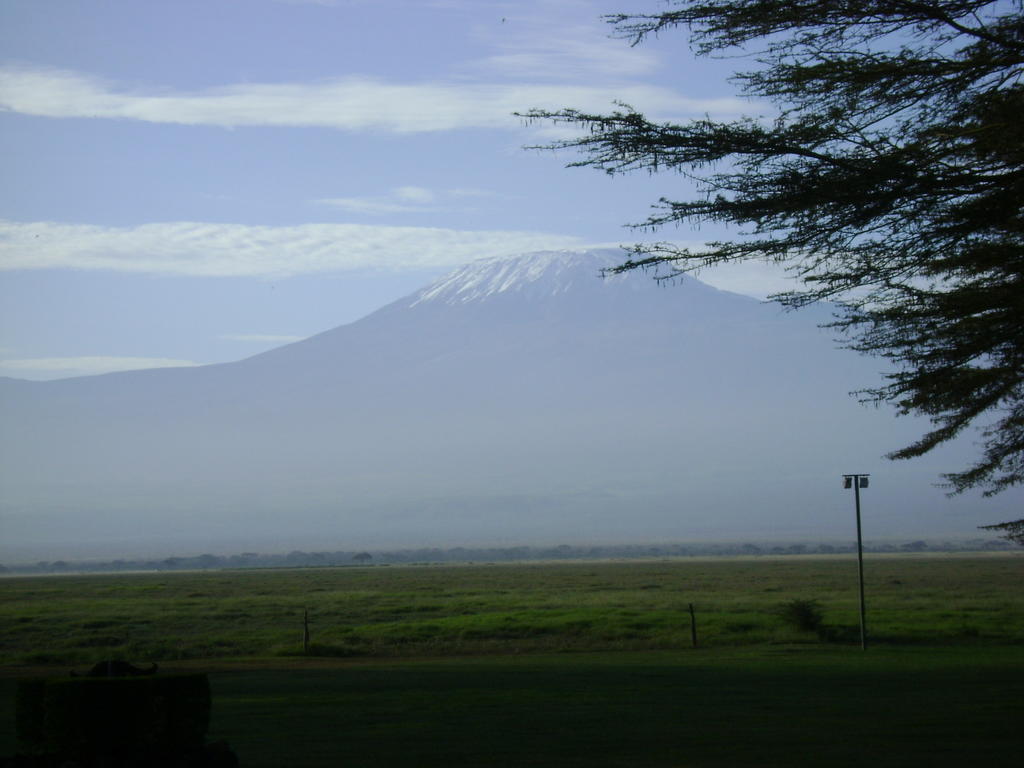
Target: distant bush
x=805 y=615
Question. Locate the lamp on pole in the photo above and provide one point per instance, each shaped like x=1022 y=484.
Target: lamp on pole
x=857 y=482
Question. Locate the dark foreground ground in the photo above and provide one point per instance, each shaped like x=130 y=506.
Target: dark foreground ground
x=764 y=706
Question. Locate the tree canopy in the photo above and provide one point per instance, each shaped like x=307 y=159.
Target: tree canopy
x=888 y=178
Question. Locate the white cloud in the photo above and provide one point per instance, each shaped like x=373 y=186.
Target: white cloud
x=41 y=368
x=417 y=195
x=559 y=47
x=261 y=338
x=350 y=103
x=204 y=249
x=403 y=200
x=219 y=250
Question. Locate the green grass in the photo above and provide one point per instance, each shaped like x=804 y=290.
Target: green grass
x=763 y=706
x=499 y=609
x=569 y=664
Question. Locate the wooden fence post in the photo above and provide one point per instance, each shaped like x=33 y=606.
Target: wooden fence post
x=305 y=630
x=693 y=627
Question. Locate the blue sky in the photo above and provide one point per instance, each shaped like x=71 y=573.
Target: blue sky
x=191 y=182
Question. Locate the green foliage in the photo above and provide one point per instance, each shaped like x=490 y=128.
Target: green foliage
x=890 y=179
x=804 y=615
x=83 y=717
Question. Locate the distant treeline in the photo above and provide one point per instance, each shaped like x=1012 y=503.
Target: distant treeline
x=299 y=559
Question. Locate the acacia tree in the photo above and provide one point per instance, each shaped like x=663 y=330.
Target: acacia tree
x=1012 y=530
x=889 y=179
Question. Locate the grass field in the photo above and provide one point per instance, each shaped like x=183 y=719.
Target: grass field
x=472 y=609
x=584 y=663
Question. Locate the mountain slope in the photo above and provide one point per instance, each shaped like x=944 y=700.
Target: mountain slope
x=514 y=400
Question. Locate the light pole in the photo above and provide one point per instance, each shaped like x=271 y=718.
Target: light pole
x=857 y=482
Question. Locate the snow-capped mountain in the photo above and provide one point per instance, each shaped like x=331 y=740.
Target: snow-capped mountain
x=515 y=400
x=535 y=275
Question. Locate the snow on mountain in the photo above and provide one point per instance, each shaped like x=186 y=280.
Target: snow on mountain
x=546 y=273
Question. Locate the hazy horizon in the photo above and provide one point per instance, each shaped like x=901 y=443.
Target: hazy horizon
x=490 y=407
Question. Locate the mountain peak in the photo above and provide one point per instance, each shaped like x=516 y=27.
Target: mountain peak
x=542 y=273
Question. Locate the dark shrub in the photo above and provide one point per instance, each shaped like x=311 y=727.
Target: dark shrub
x=84 y=717
x=805 y=615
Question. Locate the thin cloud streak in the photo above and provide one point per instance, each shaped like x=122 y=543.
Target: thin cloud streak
x=349 y=104
x=236 y=250
x=408 y=199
